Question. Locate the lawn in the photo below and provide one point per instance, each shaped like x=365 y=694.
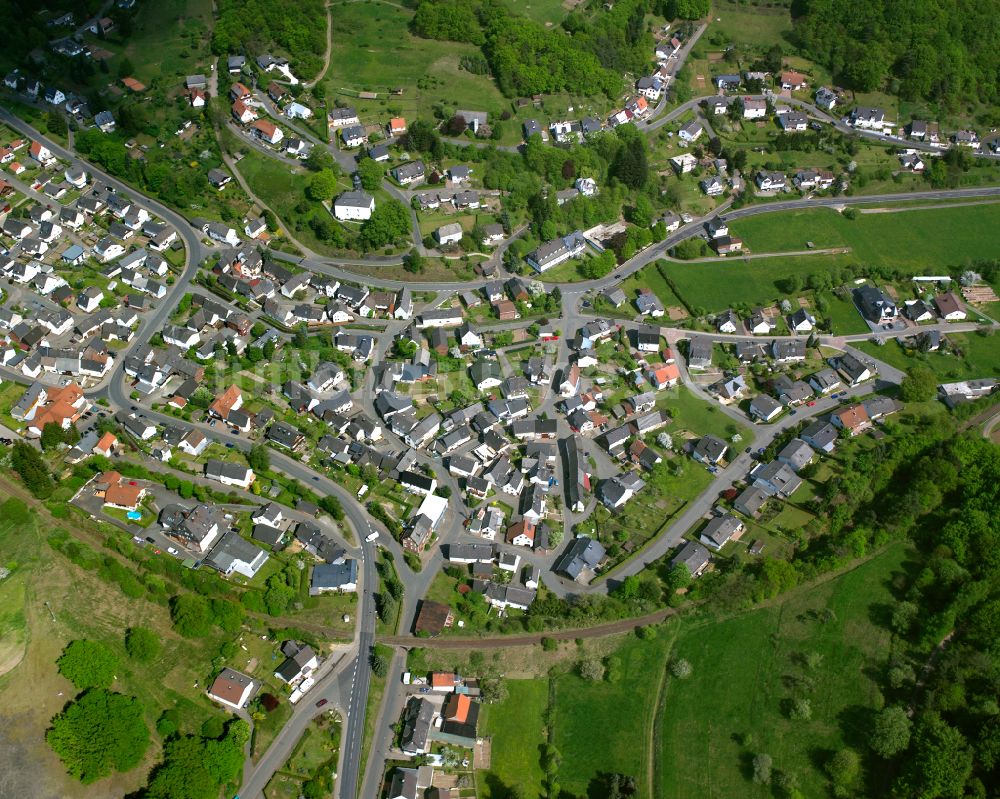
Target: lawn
x=844 y=315
x=935 y=239
x=517 y=729
x=744 y=670
x=605 y=726
x=973 y=356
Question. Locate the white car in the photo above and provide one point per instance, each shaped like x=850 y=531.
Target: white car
x=172 y=551
x=372 y=536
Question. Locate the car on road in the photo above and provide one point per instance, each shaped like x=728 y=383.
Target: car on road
x=315 y=479
x=372 y=536
x=747 y=450
x=811 y=403
x=322 y=702
x=792 y=412
x=230 y=445
x=212 y=423
x=425 y=690
x=150 y=539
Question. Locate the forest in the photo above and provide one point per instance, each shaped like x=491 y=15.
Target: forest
x=944 y=51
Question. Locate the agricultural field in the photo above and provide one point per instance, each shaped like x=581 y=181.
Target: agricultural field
x=742 y=670
x=932 y=238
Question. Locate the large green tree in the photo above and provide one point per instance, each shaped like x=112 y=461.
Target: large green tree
x=88 y=664
x=99 y=732
x=940 y=763
x=389 y=222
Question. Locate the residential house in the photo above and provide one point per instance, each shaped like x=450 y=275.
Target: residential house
x=694 y=556
x=720 y=530
x=853 y=419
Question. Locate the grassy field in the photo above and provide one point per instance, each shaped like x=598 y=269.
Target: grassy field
x=168 y=39
x=547 y=12
x=603 y=726
x=690 y=413
x=517 y=727
x=62 y=602
x=374 y=51
x=282 y=188
x=971 y=355
x=757 y=26
x=935 y=238
x=743 y=668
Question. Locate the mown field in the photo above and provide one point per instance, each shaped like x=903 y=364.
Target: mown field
x=517 y=729
x=935 y=238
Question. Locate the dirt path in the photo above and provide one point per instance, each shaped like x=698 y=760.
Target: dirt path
x=598 y=631
x=925 y=207
x=263 y=206
x=329 y=47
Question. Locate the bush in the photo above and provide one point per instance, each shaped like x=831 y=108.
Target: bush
x=762 y=764
x=800 y=710
x=142 y=644
x=191 y=615
x=681 y=669
x=592 y=669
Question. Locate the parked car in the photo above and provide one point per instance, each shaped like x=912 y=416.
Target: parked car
x=322 y=702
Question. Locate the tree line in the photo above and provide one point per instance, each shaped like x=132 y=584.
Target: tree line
x=939 y=50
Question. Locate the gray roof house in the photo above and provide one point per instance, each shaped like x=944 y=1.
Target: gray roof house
x=694 y=556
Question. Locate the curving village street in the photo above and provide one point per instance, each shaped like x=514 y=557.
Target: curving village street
x=344 y=683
